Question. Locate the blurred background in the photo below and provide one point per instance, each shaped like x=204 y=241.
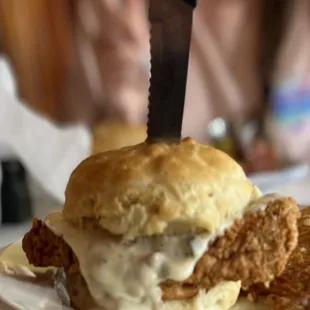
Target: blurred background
x=86 y=63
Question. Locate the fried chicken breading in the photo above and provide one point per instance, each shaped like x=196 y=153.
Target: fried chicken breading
x=291 y=290
x=44 y=248
x=254 y=249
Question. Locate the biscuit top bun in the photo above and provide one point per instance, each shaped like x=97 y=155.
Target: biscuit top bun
x=158 y=188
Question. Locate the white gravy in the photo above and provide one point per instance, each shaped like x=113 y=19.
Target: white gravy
x=124 y=275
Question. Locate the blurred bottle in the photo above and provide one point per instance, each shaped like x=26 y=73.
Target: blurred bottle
x=15 y=196
x=260 y=156
x=243 y=142
x=258 y=150
x=225 y=138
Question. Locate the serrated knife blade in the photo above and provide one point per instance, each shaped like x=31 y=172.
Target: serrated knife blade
x=171 y=27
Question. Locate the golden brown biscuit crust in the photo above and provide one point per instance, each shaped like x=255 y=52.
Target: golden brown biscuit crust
x=158 y=188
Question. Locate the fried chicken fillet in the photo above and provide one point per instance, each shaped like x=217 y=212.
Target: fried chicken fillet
x=163 y=193
x=253 y=250
x=291 y=290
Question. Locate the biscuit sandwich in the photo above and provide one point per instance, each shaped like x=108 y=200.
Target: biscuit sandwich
x=163 y=226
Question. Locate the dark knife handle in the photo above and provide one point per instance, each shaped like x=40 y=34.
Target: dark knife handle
x=193 y=3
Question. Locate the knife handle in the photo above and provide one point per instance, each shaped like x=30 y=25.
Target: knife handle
x=193 y=3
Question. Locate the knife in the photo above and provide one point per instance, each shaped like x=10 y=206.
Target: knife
x=171 y=27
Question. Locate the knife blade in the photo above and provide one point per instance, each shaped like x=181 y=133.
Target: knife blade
x=171 y=27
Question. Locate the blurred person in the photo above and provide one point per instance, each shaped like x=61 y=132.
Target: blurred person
x=243 y=53
x=227 y=69
x=224 y=77
x=249 y=59
x=233 y=60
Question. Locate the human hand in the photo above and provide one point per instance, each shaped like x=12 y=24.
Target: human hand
x=113 y=46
